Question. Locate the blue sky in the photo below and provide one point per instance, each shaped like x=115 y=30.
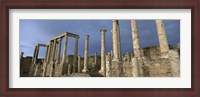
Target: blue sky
x=40 y=31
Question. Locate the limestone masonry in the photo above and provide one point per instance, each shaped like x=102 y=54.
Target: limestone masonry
x=156 y=61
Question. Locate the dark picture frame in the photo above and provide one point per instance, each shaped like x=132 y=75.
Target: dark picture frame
x=194 y=91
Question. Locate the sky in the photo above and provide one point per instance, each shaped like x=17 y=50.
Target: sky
x=33 y=32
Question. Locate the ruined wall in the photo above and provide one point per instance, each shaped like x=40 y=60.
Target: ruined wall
x=152 y=65
x=26 y=64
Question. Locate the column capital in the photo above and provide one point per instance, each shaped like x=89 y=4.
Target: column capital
x=103 y=30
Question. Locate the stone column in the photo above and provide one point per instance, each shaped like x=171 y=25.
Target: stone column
x=52 y=58
x=164 y=48
x=115 y=37
x=135 y=67
x=103 y=53
x=116 y=64
x=58 y=50
x=45 y=60
x=111 y=54
x=79 y=64
x=75 y=56
x=65 y=49
x=135 y=38
x=108 y=65
x=118 y=40
x=95 y=58
x=35 y=61
x=86 y=54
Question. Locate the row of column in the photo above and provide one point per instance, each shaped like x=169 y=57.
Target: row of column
x=136 y=45
x=164 y=48
x=53 y=54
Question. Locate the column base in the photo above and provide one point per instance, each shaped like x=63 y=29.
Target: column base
x=115 y=69
x=84 y=70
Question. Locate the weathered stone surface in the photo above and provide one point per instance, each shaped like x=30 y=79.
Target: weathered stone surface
x=116 y=41
x=115 y=68
x=135 y=67
x=162 y=37
x=135 y=38
x=174 y=62
x=103 y=53
x=108 y=65
x=86 y=54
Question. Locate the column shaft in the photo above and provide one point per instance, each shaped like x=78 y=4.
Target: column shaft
x=65 y=49
x=58 y=51
x=86 y=54
x=103 y=52
x=52 y=58
x=79 y=64
x=115 y=37
x=45 y=61
x=118 y=41
x=135 y=38
x=164 y=48
x=75 y=56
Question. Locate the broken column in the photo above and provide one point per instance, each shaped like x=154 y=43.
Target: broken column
x=164 y=48
x=116 y=52
x=103 y=53
x=86 y=54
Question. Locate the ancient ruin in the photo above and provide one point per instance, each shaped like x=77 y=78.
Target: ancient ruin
x=156 y=61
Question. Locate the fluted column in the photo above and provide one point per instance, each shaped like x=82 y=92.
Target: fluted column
x=103 y=52
x=86 y=54
x=75 y=56
x=164 y=48
x=135 y=38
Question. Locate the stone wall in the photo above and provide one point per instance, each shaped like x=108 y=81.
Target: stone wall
x=152 y=65
x=25 y=62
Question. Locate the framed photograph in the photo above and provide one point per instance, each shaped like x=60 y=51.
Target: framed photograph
x=105 y=48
